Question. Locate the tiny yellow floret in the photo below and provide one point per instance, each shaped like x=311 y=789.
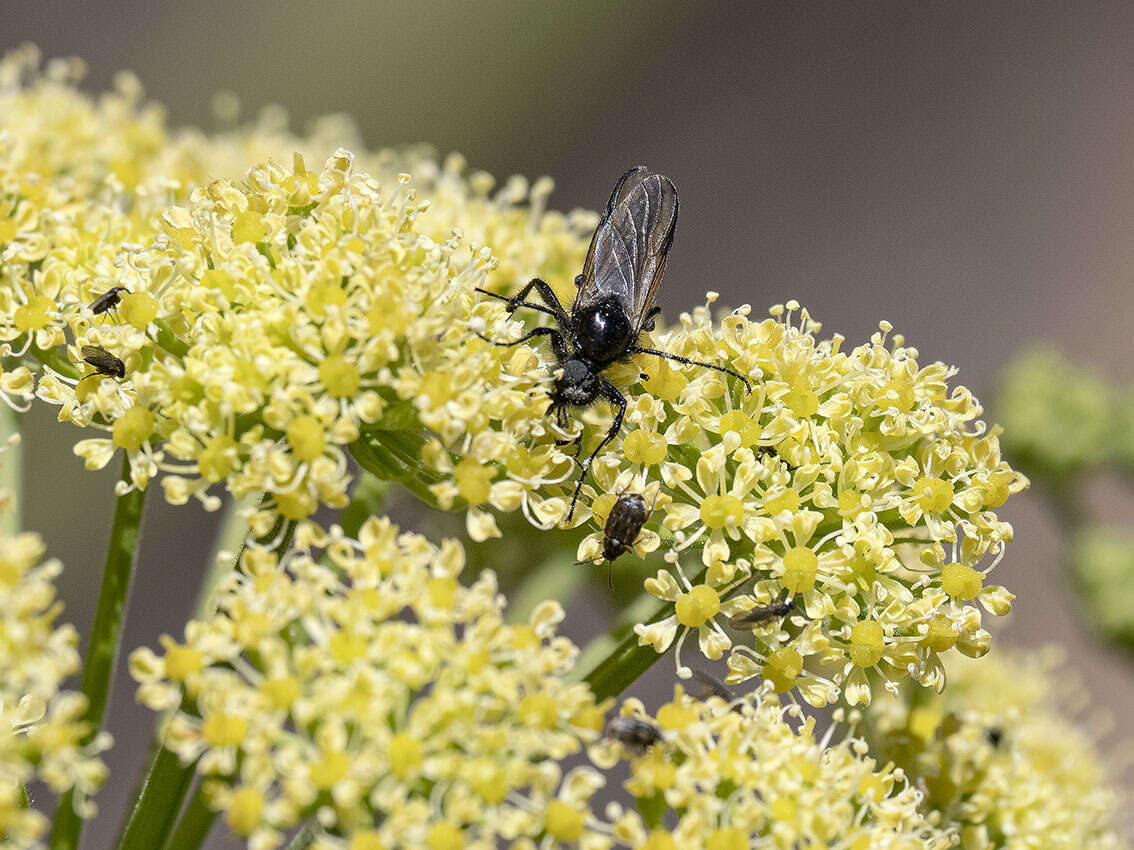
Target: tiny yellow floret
x=698 y=605
x=133 y=428
x=405 y=755
x=445 y=836
x=138 y=309
x=339 y=376
x=244 y=811
x=224 y=730
x=961 y=582
x=366 y=839
x=564 y=822
x=719 y=511
x=933 y=495
x=306 y=437
x=644 y=447
x=800 y=568
x=782 y=669
x=866 y=643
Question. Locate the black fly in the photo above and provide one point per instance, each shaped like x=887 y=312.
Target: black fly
x=614 y=302
x=761 y=614
x=633 y=733
x=104 y=362
x=108 y=300
x=622 y=527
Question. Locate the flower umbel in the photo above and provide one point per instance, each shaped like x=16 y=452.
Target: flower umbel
x=307 y=649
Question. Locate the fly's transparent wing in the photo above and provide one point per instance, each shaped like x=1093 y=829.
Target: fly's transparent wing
x=100 y=358
x=629 y=249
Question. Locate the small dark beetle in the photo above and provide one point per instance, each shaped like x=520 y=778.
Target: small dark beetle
x=614 y=302
x=108 y=300
x=104 y=362
x=634 y=733
x=622 y=527
x=761 y=614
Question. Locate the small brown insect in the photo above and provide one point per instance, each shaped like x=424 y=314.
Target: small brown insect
x=104 y=362
x=633 y=732
x=761 y=614
x=712 y=686
x=108 y=300
x=622 y=527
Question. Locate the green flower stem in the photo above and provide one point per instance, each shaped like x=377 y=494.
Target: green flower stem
x=162 y=793
x=558 y=577
x=102 y=652
x=11 y=471
x=230 y=538
x=167 y=339
x=627 y=661
x=56 y=361
x=167 y=782
x=303 y=839
x=194 y=826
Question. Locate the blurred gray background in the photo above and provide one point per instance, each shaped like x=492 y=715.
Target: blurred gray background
x=964 y=170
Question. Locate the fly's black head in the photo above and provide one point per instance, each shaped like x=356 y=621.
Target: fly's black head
x=633 y=732
x=103 y=361
x=623 y=524
x=579 y=385
x=603 y=330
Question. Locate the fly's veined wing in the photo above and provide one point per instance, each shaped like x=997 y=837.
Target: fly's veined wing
x=629 y=249
x=100 y=358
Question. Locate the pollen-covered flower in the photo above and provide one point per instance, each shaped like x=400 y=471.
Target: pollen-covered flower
x=752 y=774
x=997 y=759
x=41 y=724
x=358 y=681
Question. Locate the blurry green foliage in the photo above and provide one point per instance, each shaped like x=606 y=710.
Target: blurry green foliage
x=1103 y=559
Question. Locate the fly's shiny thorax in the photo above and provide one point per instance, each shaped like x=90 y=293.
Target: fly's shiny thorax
x=603 y=330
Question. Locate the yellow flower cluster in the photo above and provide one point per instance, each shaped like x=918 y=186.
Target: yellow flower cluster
x=997 y=761
x=855 y=482
x=271 y=324
x=748 y=774
x=41 y=724
x=357 y=681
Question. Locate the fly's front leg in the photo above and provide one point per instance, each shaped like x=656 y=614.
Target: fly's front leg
x=551 y=332
x=608 y=391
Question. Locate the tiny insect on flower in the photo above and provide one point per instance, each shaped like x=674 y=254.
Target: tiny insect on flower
x=614 y=304
x=623 y=525
x=103 y=361
x=108 y=300
x=761 y=614
x=633 y=732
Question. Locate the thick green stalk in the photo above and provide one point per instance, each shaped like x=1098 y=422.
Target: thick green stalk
x=11 y=470
x=627 y=661
x=155 y=811
x=102 y=652
x=194 y=826
x=162 y=794
x=230 y=538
